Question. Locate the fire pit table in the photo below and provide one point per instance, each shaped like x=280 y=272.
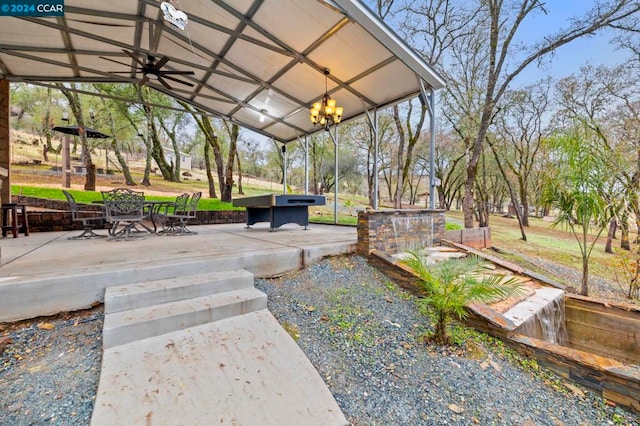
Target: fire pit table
x=279 y=209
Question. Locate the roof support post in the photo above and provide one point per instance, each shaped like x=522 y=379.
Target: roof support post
x=432 y=150
x=5 y=144
x=284 y=168
x=334 y=137
x=373 y=125
x=429 y=100
x=305 y=147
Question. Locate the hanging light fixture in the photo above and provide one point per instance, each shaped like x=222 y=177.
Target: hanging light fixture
x=326 y=113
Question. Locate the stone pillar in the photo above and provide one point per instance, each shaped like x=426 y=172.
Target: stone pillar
x=395 y=231
x=5 y=145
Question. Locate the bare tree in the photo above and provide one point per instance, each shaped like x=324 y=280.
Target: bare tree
x=172 y=124
x=110 y=107
x=431 y=26
x=408 y=138
x=449 y=162
x=503 y=20
x=519 y=138
x=225 y=174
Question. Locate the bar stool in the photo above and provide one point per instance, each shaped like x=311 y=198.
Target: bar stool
x=14 y=210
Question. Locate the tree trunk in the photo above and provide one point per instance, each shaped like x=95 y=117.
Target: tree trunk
x=175 y=167
x=584 y=291
x=148 y=157
x=468 y=201
x=207 y=166
x=226 y=192
x=157 y=153
x=123 y=163
x=624 y=231
x=516 y=208
x=610 y=234
x=524 y=199
x=483 y=204
x=440 y=334
x=48 y=123
x=239 y=163
x=116 y=150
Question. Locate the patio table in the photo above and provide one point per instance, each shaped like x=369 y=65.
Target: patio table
x=153 y=208
x=279 y=209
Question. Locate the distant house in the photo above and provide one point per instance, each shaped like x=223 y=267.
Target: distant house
x=170 y=157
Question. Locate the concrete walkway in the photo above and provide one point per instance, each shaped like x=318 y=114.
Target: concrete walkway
x=187 y=338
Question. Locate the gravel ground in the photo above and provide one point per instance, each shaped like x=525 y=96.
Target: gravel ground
x=49 y=374
x=364 y=336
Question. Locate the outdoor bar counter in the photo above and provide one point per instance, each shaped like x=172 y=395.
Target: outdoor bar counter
x=279 y=209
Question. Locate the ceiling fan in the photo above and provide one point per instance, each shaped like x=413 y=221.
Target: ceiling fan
x=151 y=70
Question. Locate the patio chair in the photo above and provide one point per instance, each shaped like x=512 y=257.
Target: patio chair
x=89 y=219
x=185 y=209
x=162 y=215
x=123 y=207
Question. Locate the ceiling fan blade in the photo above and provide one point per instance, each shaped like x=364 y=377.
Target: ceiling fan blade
x=162 y=62
x=176 y=72
x=113 y=60
x=164 y=83
x=134 y=57
x=186 y=83
x=143 y=81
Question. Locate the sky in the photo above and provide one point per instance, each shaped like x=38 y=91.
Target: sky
x=568 y=59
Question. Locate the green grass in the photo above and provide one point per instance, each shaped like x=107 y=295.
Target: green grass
x=87 y=197
x=342 y=220
x=549 y=243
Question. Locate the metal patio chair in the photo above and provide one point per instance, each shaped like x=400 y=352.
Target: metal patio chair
x=185 y=209
x=90 y=219
x=124 y=209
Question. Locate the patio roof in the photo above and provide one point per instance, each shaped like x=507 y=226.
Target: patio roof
x=258 y=63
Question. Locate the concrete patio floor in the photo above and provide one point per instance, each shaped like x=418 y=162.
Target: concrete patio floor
x=37 y=270
x=54 y=253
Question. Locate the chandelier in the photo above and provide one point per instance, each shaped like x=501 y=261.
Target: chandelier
x=326 y=113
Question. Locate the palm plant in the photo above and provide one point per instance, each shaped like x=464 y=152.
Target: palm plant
x=452 y=284
x=583 y=191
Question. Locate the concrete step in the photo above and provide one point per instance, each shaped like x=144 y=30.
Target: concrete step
x=244 y=370
x=150 y=321
x=148 y=293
